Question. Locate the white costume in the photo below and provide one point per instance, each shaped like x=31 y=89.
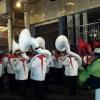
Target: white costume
x=38 y=64
x=1 y=77
x=71 y=66
x=59 y=63
x=10 y=65
x=71 y=63
x=38 y=67
x=1 y=69
x=5 y=61
x=10 y=71
x=53 y=62
x=20 y=66
x=63 y=45
x=21 y=70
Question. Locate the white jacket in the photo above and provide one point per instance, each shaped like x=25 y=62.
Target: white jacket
x=38 y=67
x=1 y=69
x=5 y=61
x=71 y=66
x=56 y=62
x=21 y=70
x=10 y=65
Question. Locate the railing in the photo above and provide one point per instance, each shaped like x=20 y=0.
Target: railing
x=93 y=28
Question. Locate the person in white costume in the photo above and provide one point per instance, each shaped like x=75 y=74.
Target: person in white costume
x=10 y=71
x=71 y=73
x=56 y=70
x=38 y=63
x=1 y=76
x=71 y=61
x=41 y=42
x=21 y=76
x=59 y=68
x=21 y=72
x=38 y=71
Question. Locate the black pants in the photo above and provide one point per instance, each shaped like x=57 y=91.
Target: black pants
x=57 y=74
x=71 y=82
x=39 y=89
x=21 y=87
x=29 y=81
x=1 y=85
x=12 y=82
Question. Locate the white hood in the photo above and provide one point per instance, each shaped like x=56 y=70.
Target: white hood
x=41 y=42
x=62 y=44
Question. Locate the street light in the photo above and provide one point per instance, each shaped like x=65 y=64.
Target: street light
x=18 y=4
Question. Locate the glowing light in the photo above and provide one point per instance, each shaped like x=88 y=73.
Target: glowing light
x=2 y=28
x=70 y=3
x=18 y=4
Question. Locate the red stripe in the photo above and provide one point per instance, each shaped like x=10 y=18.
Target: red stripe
x=71 y=61
x=41 y=58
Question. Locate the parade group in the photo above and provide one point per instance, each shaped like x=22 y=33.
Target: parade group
x=30 y=61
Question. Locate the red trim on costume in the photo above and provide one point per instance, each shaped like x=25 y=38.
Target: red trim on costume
x=57 y=56
x=10 y=56
x=71 y=61
x=0 y=62
x=41 y=58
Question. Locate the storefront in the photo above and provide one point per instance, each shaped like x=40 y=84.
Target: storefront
x=74 y=18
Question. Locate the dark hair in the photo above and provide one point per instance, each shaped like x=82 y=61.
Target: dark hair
x=10 y=51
